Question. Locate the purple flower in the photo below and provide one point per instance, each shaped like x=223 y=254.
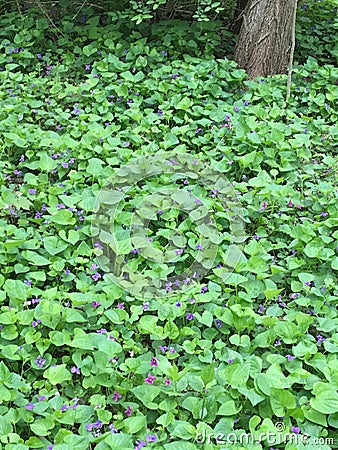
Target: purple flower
x=120 y=305
x=260 y=309
x=128 y=411
x=76 y=111
x=98 y=245
x=246 y=102
x=295 y=430
x=150 y=379
x=159 y=212
x=218 y=323
x=112 y=428
x=154 y=361
x=140 y=444
x=30 y=406
x=116 y=396
x=198 y=130
x=277 y=343
x=87 y=67
x=187 y=280
x=64 y=408
x=32 y=191
x=163 y=348
x=199 y=247
x=179 y=251
x=40 y=361
x=294 y=296
x=76 y=370
x=167 y=381
x=59 y=127
x=172 y=350
x=146 y=306
x=126 y=144
x=256 y=237
x=35 y=323
x=151 y=438
x=204 y=289
x=28 y=282
x=178 y=304
x=263 y=207
x=60 y=206
x=190 y=316
x=38 y=215
x=290 y=357
x=98 y=424
x=230 y=361
x=41 y=398
x=67 y=271
x=236 y=109
x=96 y=276
x=192 y=300
x=175 y=76
x=96 y=304
x=320 y=339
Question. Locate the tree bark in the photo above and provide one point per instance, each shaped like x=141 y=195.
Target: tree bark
x=265 y=38
x=238 y=15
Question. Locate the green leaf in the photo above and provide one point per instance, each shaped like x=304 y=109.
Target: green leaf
x=82 y=340
x=184 y=104
x=146 y=394
x=182 y=429
x=208 y=374
x=5 y=425
x=228 y=409
x=281 y=400
x=206 y=318
x=58 y=374
x=46 y=163
x=314 y=416
x=63 y=217
x=116 y=441
x=35 y=258
x=325 y=400
x=42 y=427
x=240 y=375
x=53 y=245
x=135 y=424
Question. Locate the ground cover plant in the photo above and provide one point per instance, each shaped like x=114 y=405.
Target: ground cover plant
x=209 y=303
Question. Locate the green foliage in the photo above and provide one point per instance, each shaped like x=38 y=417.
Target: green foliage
x=109 y=135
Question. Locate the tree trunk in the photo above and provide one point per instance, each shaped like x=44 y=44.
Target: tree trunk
x=265 y=38
x=238 y=15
